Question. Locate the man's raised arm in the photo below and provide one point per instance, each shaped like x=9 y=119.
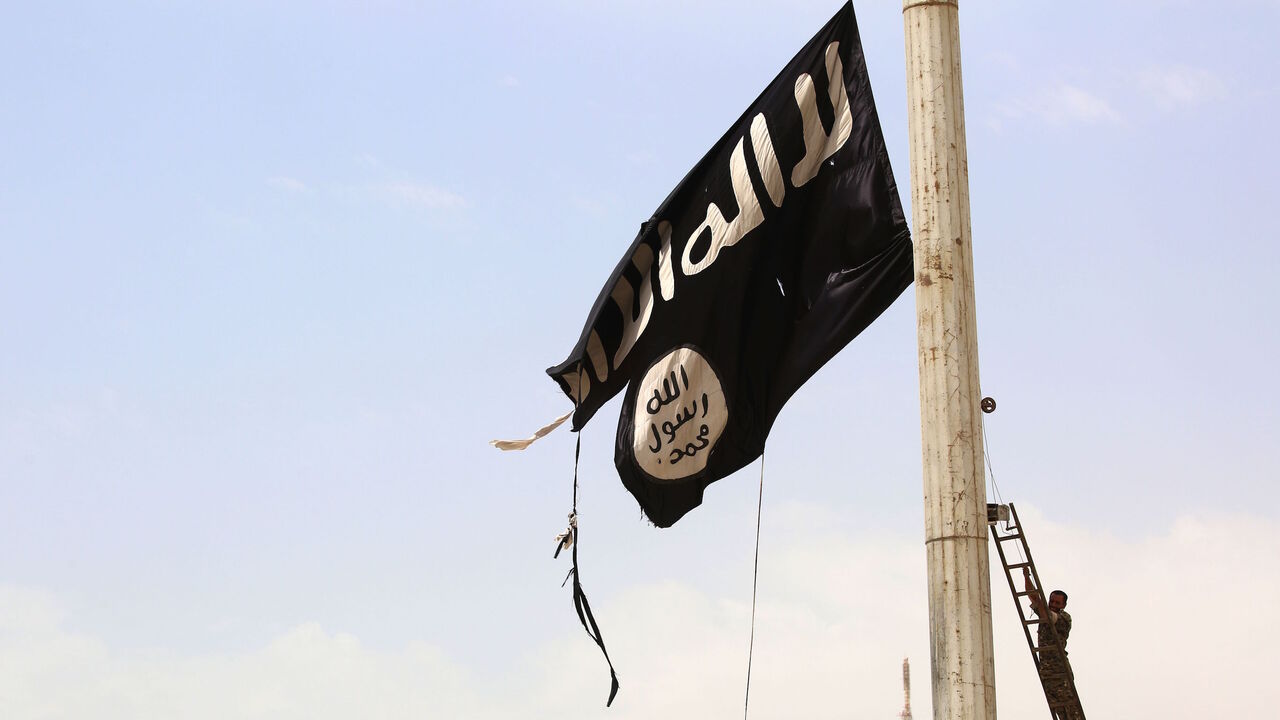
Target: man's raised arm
x=1037 y=598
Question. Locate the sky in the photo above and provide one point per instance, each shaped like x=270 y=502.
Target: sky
x=273 y=274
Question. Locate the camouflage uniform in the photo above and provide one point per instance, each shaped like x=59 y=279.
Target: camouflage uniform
x=1053 y=660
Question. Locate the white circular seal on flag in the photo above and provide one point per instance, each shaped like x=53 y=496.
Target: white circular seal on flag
x=680 y=412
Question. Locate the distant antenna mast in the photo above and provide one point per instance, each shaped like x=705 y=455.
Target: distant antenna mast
x=906 y=690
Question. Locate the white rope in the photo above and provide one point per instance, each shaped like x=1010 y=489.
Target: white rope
x=755 y=578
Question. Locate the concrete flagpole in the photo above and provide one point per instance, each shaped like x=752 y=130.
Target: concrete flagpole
x=951 y=430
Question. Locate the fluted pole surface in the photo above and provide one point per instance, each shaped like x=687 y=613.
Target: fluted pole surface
x=963 y=670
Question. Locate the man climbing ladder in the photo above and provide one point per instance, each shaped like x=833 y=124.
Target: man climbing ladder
x=1053 y=624
x=1051 y=637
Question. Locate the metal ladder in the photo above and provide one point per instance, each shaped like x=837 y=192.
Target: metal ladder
x=1013 y=532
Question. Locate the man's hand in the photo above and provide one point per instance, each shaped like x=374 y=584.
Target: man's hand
x=1031 y=593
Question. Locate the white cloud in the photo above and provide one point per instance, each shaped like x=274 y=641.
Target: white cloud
x=837 y=613
x=1180 y=86
x=287 y=183
x=47 y=671
x=427 y=196
x=1062 y=104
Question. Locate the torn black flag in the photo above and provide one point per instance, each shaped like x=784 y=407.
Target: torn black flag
x=781 y=245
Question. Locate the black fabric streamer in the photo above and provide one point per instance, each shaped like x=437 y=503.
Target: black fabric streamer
x=589 y=620
x=580 y=603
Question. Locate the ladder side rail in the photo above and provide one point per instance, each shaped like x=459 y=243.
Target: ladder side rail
x=1013 y=590
x=1075 y=694
x=1036 y=650
x=1022 y=616
x=1035 y=574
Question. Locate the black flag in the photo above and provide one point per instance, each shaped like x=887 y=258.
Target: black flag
x=777 y=249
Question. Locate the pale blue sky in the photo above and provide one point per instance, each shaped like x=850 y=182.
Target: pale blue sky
x=272 y=274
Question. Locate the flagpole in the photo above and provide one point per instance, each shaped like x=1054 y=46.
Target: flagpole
x=951 y=431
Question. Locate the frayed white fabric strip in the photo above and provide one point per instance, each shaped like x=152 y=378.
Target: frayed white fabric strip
x=522 y=444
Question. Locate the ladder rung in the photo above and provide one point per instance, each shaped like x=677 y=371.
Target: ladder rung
x=1018 y=565
x=1020 y=594
x=1032 y=621
x=1002 y=538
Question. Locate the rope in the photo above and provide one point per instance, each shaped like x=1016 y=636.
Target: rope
x=995 y=488
x=755 y=579
x=986 y=455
